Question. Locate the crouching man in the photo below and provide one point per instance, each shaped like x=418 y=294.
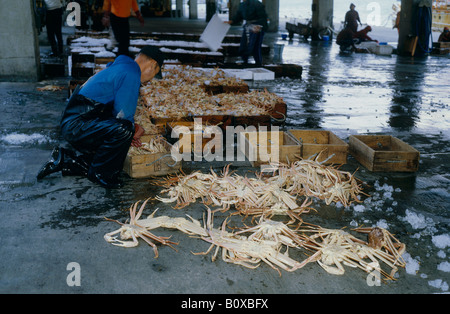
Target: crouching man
x=98 y=120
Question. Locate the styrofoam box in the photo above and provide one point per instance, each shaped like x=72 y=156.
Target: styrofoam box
x=239 y=73
x=383 y=50
x=260 y=74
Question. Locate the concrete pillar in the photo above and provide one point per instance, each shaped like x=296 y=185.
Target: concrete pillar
x=273 y=14
x=193 y=9
x=408 y=26
x=19 y=44
x=322 y=16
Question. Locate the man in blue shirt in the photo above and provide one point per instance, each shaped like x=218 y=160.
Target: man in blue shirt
x=99 y=120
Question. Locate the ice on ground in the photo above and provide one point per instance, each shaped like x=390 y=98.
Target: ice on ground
x=412 y=265
x=359 y=208
x=20 y=138
x=417 y=221
x=382 y=224
x=439 y=283
x=441 y=254
x=444 y=266
x=441 y=241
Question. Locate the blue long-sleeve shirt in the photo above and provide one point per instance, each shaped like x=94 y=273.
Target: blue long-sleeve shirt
x=118 y=85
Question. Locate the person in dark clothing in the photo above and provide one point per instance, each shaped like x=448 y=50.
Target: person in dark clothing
x=345 y=39
x=362 y=35
x=444 y=36
x=352 y=19
x=98 y=120
x=116 y=15
x=54 y=15
x=255 y=16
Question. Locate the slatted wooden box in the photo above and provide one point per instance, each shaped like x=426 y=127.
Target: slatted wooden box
x=263 y=147
x=331 y=148
x=151 y=164
x=197 y=136
x=384 y=153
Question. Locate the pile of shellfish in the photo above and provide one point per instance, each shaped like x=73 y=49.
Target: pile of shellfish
x=180 y=94
x=287 y=192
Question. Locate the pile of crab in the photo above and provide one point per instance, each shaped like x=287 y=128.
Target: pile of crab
x=181 y=94
x=288 y=192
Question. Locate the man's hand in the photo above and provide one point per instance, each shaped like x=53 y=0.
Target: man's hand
x=138 y=132
x=139 y=17
x=105 y=20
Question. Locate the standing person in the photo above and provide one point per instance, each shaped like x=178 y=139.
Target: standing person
x=54 y=26
x=116 y=14
x=254 y=13
x=98 y=120
x=352 y=19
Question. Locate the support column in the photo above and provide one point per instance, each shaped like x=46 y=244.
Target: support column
x=19 y=44
x=193 y=9
x=322 y=16
x=273 y=14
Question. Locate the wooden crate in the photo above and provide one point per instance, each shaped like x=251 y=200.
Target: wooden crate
x=193 y=140
x=330 y=147
x=150 y=165
x=258 y=147
x=384 y=153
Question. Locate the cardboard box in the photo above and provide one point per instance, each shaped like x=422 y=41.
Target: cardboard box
x=330 y=147
x=384 y=153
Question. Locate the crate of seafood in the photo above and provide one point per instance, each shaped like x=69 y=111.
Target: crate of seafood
x=263 y=147
x=191 y=134
x=153 y=158
x=321 y=144
x=384 y=153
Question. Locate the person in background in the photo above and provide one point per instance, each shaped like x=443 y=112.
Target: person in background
x=54 y=14
x=98 y=120
x=345 y=39
x=352 y=19
x=117 y=14
x=255 y=16
x=362 y=36
x=445 y=36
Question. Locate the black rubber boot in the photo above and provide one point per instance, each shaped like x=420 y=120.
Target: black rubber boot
x=111 y=182
x=55 y=163
x=74 y=165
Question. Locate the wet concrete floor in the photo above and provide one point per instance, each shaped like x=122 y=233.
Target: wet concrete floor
x=46 y=225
